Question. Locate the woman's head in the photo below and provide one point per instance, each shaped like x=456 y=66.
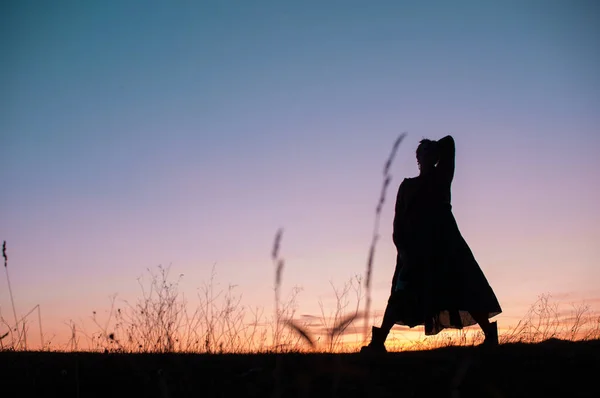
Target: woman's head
x=427 y=154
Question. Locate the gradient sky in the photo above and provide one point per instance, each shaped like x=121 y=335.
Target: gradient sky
x=138 y=133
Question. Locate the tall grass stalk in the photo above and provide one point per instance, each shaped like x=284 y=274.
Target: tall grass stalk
x=278 y=263
x=12 y=300
x=23 y=318
x=386 y=182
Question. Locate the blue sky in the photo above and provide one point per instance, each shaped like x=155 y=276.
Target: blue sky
x=143 y=133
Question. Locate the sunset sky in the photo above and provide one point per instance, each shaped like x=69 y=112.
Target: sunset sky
x=139 y=133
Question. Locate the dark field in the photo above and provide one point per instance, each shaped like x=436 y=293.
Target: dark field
x=550 y=369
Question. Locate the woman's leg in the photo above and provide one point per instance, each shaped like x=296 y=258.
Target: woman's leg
x=379 y=335
x=389 y=316
x=482 y=320
x=490 y=329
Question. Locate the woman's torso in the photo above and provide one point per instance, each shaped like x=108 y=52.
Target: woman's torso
x=426 y=204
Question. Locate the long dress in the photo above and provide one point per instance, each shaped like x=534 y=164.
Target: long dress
x=437 y=282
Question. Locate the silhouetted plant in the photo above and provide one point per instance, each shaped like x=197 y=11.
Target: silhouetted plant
x=19 y=327
x=371 y=258
x=278 y=263
x=334 y=325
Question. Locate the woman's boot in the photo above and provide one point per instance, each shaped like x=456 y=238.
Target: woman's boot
x=377 y=344
x=491 y=335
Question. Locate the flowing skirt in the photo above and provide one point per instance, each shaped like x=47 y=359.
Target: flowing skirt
x=439 y=283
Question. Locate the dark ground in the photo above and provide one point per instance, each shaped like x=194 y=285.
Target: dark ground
x=550 y=369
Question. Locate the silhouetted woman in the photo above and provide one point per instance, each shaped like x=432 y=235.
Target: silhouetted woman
x=437 y=282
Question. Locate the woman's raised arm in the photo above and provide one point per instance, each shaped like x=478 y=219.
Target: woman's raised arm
x=446 y=151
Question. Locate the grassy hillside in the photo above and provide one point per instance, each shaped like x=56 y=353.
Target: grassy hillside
x=553 y=368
